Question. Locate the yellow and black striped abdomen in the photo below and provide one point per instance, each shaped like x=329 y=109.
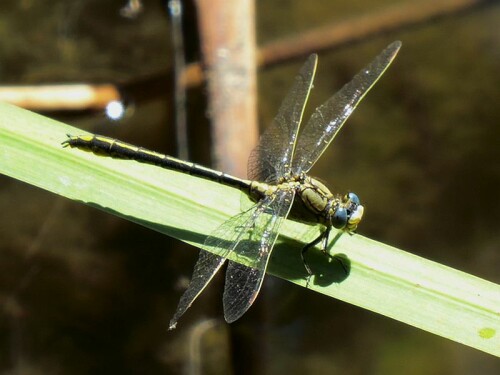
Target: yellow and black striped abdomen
x=106 y=146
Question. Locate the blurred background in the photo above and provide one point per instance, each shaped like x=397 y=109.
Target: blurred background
x=84 y=292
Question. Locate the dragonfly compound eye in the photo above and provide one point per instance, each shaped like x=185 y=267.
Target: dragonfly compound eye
x=353 y=198
x=339 y=218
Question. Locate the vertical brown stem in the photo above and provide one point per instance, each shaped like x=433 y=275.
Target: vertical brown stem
x=227 y=33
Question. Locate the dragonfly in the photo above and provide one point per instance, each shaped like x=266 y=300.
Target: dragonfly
x=277 y=183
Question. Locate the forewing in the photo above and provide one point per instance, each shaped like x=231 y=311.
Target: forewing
x=225 y=238
x=243 y=282
x=328 y=118
x=271 y=159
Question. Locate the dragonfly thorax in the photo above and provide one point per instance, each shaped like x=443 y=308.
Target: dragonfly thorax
x=317 y=204
x=314 y=202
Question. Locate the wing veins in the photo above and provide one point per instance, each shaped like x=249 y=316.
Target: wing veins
x=243 y=283
x=328 y=119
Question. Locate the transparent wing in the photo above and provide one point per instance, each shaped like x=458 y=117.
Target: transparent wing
x=231 y=235
x=271 y=159
x=328 y=118
x=205 y=269
x=243 y=283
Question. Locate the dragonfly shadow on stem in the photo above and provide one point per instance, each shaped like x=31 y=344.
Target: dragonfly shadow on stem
x=339 y=263
x=285 y=260
x=180 y=234
x=327 y=269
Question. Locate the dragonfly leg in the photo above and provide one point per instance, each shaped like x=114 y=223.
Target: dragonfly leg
x=306 y=248
x=323 y=237
x=326 y=235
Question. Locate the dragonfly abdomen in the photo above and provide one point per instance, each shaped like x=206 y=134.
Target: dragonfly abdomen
x=106 y=146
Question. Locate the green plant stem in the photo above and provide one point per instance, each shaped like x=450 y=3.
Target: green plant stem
x=381 y=278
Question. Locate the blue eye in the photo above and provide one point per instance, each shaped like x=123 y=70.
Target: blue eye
x=339 y=218
x=353 y=198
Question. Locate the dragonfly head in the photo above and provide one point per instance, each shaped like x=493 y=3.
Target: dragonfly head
x=348 y=213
